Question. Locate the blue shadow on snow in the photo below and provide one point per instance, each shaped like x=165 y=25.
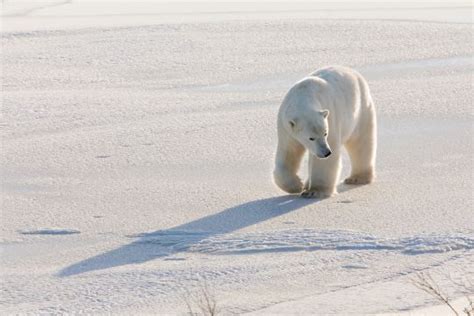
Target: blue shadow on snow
x=162 y=243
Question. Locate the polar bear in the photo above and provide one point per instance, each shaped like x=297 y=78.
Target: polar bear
x=330 y=108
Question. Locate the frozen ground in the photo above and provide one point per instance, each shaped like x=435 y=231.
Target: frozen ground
x=137 y=156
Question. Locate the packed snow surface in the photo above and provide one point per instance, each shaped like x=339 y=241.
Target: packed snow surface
x=138 y=143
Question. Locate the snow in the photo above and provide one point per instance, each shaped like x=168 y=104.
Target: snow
x=26 y=16
x=138 y=143
x=459 y=304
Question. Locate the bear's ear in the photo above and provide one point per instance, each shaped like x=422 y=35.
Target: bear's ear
x=325 y=113
x=292 y=123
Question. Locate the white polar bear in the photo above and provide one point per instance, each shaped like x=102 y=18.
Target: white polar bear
x=329 y=108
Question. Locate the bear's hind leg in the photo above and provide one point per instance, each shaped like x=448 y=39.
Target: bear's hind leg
x=362 y=150
x=323 y=175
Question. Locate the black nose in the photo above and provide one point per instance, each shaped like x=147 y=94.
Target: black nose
x=327 y=154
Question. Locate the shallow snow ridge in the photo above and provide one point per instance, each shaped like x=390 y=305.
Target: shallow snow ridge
x=309 y=240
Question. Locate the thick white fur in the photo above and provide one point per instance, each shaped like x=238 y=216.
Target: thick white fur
x=335 y=100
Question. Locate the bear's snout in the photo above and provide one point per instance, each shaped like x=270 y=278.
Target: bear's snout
x=323 y=153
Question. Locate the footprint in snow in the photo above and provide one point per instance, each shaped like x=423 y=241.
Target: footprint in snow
x=345 y=201
x=49 y=231
x=175 y=259
x=354 y=266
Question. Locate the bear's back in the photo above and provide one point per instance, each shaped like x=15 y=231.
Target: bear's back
x=336 y=73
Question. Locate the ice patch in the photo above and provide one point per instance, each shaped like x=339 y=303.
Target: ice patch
x=49 y=231
x=311 y=240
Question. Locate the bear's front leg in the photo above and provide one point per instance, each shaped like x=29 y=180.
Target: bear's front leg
x=287 y=180
x=323 y=176
x=287 y=162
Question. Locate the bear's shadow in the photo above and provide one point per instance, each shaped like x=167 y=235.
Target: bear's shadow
x=166 y=242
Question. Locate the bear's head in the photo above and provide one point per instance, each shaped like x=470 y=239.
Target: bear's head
x=311 y=130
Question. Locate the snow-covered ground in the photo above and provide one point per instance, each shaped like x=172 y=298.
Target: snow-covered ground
x=138 y=142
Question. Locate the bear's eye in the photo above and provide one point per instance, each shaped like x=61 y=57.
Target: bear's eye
x=311 y=138
x=325 y=134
